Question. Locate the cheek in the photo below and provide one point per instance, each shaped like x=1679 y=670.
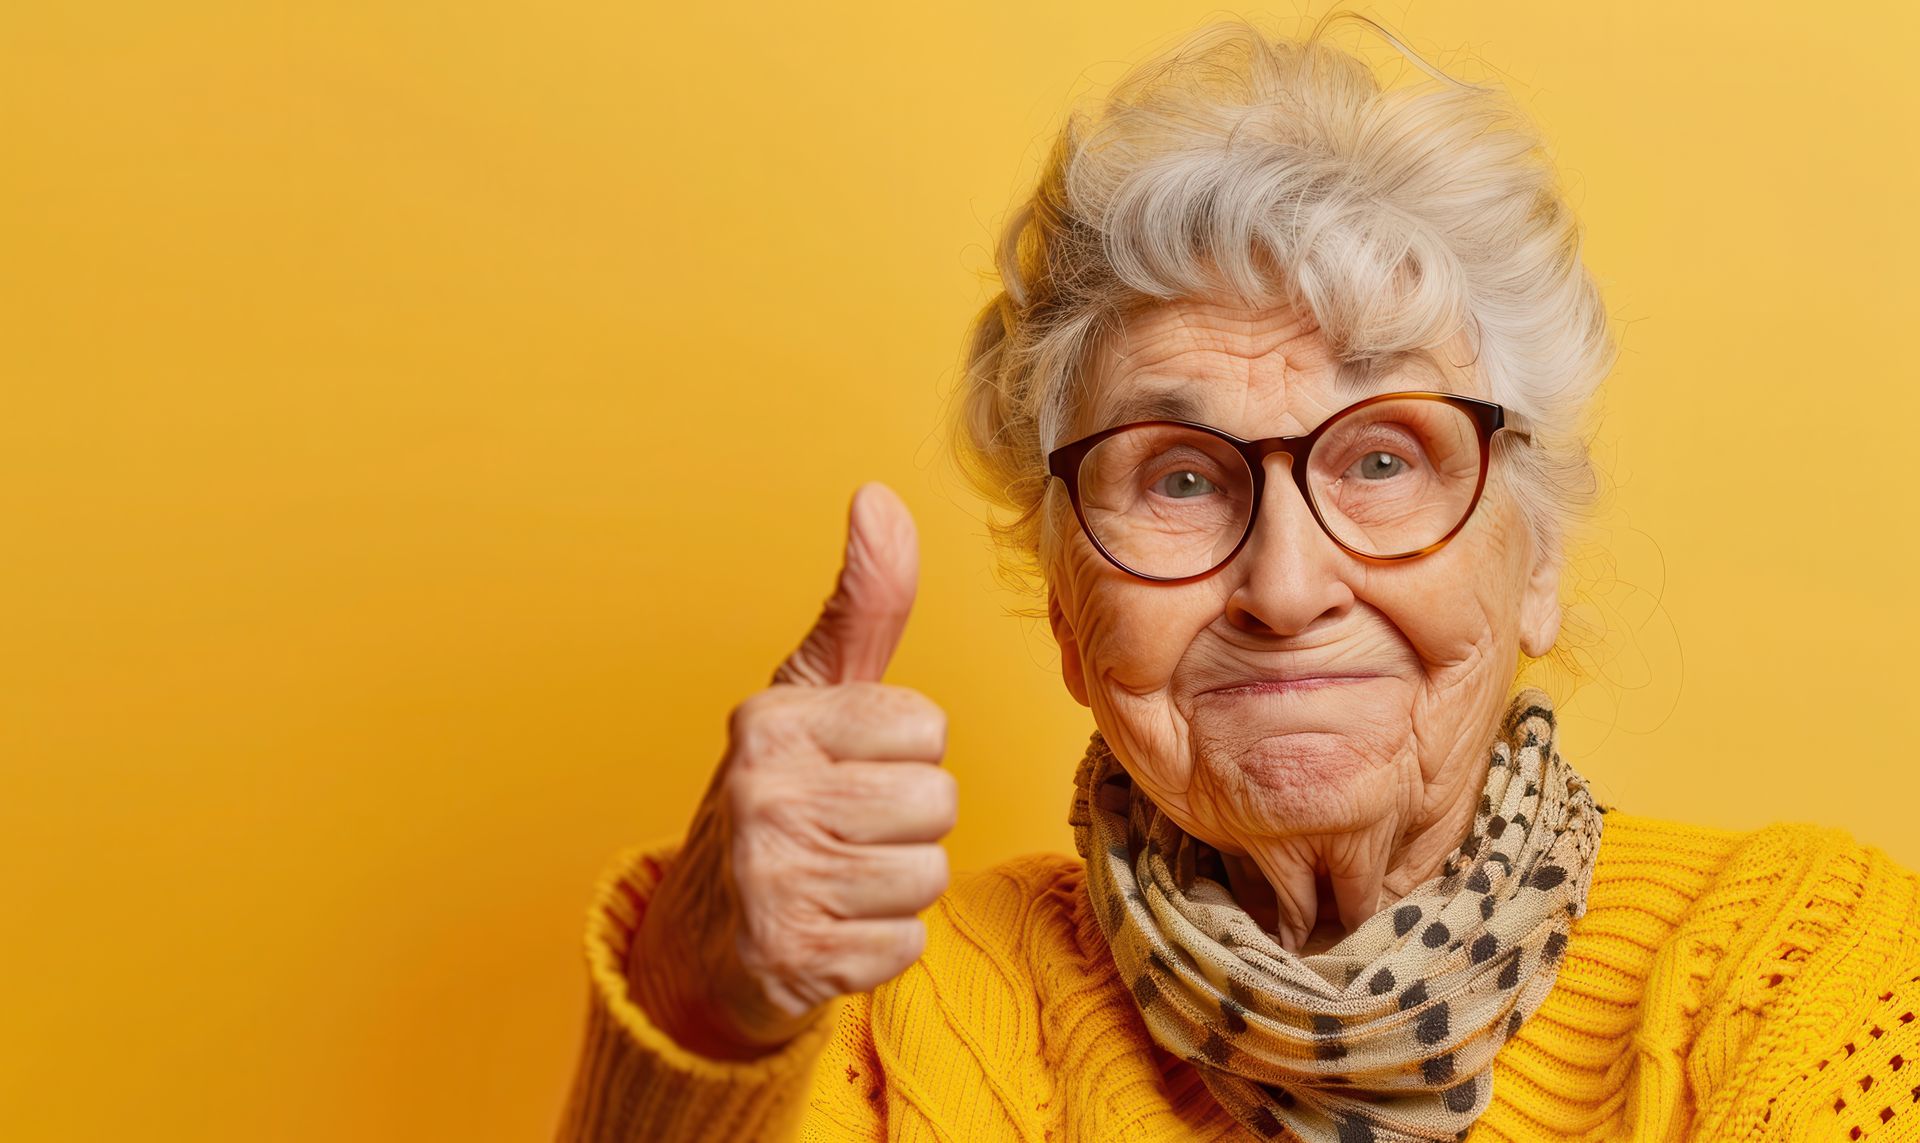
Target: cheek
x=1131 y=633
x=1462 y=603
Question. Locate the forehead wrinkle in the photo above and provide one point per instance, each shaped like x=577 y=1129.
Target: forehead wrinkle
x=1179 y=398
x=1138 y=377
x=1184 y=397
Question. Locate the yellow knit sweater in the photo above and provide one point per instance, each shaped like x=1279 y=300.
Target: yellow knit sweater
x=1721 y=986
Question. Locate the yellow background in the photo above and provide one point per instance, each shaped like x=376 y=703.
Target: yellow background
x=424 y=421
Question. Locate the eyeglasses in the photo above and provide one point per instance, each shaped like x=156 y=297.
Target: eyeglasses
x=1390 y=477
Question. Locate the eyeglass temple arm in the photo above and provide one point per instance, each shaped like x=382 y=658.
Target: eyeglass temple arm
x=1521 y=425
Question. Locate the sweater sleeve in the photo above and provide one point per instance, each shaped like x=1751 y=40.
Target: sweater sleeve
x=634 y=1082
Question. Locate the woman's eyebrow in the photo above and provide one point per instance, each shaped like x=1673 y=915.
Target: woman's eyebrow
x=1419 y=368
x=1164 y=402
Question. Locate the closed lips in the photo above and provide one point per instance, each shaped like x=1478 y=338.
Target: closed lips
x=1289 y=683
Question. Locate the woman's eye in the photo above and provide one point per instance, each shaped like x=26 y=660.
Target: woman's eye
x=1185 y=483
x=1379 y=466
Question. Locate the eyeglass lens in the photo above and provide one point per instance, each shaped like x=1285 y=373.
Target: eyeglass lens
x=1388 y=478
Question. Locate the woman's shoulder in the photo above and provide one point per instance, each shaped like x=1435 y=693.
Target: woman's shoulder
x=1656 y=856
x=1777 y=892
x=1776 y=967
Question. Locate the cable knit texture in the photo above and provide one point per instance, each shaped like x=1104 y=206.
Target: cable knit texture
x=1721 y=986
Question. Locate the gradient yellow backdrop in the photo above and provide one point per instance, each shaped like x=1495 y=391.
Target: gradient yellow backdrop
x=379 y=555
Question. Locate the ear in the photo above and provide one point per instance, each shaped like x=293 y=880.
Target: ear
x=1540 y=606
x=1070 y=669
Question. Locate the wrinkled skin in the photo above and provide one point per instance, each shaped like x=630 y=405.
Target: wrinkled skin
x=1329 y=802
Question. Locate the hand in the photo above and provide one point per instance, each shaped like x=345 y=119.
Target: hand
x=816 y=842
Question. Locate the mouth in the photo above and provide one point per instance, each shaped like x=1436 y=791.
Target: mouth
x=1285 y=686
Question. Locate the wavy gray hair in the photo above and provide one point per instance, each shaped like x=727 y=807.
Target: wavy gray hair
x=1274 y=169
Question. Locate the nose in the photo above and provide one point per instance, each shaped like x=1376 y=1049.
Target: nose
x=1290 y=573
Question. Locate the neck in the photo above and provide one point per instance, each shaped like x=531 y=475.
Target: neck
x=1311 y=891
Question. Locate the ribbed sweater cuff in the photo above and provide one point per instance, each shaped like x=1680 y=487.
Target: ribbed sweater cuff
x=633 y=1081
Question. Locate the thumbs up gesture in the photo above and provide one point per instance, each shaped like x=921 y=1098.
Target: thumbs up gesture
x=816 y=842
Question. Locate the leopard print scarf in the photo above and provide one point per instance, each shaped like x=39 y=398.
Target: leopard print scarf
x=1390 y=1034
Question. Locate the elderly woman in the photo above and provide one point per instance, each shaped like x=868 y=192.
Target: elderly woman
x=1285 y=394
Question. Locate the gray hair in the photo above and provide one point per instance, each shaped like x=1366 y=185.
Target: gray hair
x=1280 y=170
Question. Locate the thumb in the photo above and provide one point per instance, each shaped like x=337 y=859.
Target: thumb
x=862 y=621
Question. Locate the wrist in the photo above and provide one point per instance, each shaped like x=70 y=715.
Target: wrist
x=680 y=991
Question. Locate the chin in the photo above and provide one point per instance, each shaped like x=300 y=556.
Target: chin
x=1296 y=783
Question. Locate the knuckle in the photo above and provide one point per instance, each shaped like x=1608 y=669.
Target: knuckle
x=765 y=724
x=775 y=942
x=819 y=812
x=785 y=869
x=809 y=957
x=746 y=713
x=854 y=824
x=770 y=873
x=755 y=805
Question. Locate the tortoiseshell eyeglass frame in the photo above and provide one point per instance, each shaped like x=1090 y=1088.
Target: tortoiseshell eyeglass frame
x=1488 y=418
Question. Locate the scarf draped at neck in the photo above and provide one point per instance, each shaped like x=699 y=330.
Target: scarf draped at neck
x=1390 y=1034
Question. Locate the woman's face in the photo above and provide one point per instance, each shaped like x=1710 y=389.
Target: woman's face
x=1185 y=680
